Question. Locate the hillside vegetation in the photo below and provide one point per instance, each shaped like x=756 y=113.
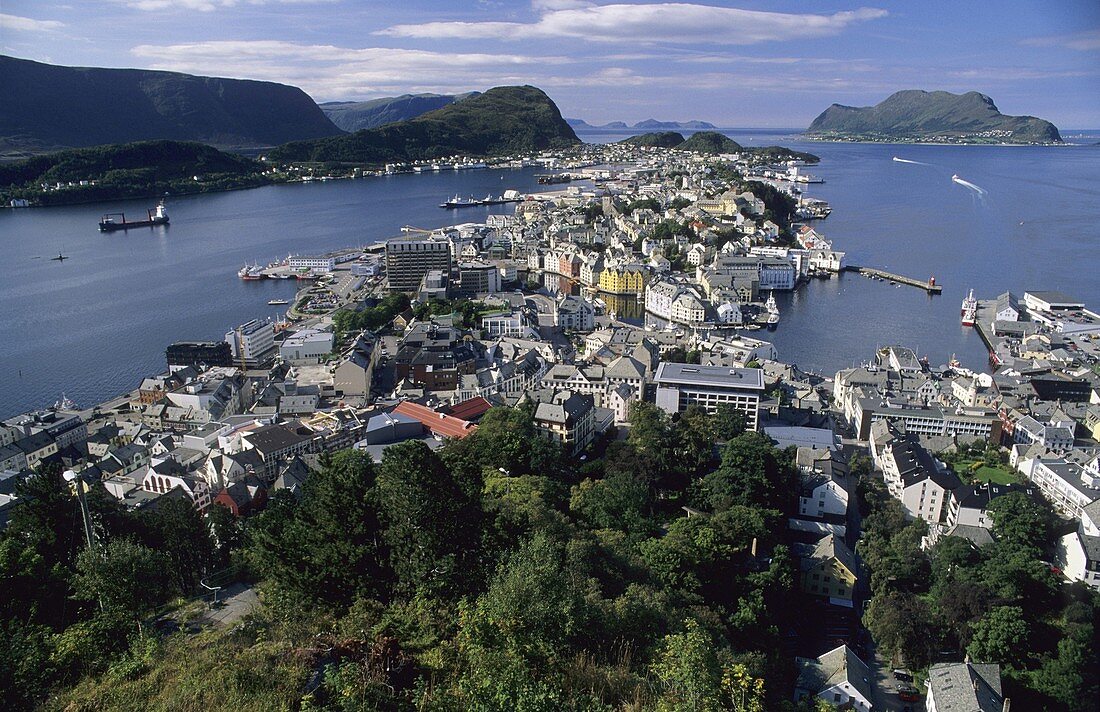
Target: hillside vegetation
x=46 y=107
x=133 y=170
x=915 y=115
x=657 y=139
x=503 y=120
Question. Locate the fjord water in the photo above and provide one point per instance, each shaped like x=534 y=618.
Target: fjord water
x=94 y=325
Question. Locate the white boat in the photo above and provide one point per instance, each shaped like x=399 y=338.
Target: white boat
x=969 y=309
x=276 y=302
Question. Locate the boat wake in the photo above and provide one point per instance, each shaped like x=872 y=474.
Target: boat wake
x=906 y=160
x=967 y=184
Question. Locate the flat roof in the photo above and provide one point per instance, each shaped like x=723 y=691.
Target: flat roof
x=1054 y=297
x=713 y=376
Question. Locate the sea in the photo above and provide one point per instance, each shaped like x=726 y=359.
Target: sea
x=92 y=326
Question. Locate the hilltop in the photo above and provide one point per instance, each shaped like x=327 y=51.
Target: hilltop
x=710 y=142
x=354 y=116
x=914 y=115
x=503 y=120
x=133 y=170
x=47 y=107
x=659 y=139
x=648 y=124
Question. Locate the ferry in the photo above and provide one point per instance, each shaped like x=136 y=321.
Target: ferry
x=277 y=302
x=969 y=309
x=457 y=202
x=773 y=312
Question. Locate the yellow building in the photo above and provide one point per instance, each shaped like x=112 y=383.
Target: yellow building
x=629 y=279
x=830 y=571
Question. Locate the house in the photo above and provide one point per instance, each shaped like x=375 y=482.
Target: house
x=574 y=314
x=824 y=483
x=36 y=448
x=292 y=477
x=243 y=497
x=838 y=677
x=965 y=687
x=912 y=474
x=829 y=570
x=567 y=418
x=1078 y=555
x=618 y=400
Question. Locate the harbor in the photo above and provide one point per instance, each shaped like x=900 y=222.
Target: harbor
x=930 y=286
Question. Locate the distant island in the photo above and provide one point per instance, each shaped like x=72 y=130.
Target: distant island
x=931 y=117
x=647 y=125
x=502 y=121
x=48 y=107
x=712 y=142
x=354 y=116
x=133 y=170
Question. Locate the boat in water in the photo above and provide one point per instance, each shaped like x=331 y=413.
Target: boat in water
x=277 y=302
x=457 y=202
x=251 y=273
x=117 y=221
x=60 y=257
x=773 y=312
x=969 y=309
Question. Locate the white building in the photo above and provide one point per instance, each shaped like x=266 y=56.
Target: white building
x=838 y=677
x=319 y=264
x=252 y=344
x=306 y=346
x=680 y=385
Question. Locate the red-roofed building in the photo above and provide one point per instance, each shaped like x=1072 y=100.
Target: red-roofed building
x=441 y=424
x=471 y=409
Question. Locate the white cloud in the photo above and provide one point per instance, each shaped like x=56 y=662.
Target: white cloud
x=1087 y=41
x=661 y=22
x=26 y=24
x=207 y=5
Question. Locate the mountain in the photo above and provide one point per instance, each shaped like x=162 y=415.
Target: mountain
x=673 y=125
x=647 y=125
x=503 y=120
x=659 y=139
x=357 y=115
x=132 y=170
x=710 y=142
x=47 y=107
x=921 y=115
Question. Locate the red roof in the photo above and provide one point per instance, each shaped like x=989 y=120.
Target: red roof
x=471 y=409
x=439 y=423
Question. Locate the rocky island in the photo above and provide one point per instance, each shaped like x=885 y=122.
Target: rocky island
x=915 y=116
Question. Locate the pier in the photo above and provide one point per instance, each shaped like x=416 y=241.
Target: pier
x=930 y=286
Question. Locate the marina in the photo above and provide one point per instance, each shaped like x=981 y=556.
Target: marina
x=930 y=286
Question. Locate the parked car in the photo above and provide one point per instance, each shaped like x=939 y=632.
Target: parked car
x=903 y=675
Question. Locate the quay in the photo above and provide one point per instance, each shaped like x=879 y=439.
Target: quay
x=930 y=286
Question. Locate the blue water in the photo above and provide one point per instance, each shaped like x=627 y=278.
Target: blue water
x=94 y=325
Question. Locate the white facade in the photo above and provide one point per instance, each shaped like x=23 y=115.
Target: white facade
x=313 y=263
x=306 y=346
x=252 y=343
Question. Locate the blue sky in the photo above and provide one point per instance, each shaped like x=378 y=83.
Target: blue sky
x=743 y=63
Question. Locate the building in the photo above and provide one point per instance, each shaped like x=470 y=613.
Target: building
x=476 y=278
x=276 y=445
x=829 y=571
x=198 y=353
x=680 y=385
x=965 y=687
x=408 y=261
x=306 y=346
x=252 y=344
x=1078 y=555
x=838 y=677
x=567 y=418
x=623 y=279
x=921 y=482
x=317 y=264
x=574 y=314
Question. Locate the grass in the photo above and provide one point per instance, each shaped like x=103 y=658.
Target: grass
x=976 y=470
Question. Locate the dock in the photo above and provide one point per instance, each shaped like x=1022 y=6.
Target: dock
x=930 y=286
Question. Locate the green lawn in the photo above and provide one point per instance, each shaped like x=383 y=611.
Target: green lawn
x=1001 y=475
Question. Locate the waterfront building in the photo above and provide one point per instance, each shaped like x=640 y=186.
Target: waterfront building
x=680 y=385
x=408 y=261
x=318 y=264
x=194 y=353
x=623 y=279
x=252 y=344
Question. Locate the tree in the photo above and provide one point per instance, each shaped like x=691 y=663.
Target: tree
x=227 y=531
x=729 y=422
x=124 y=577
x=177 y=530
x=688 y=671
x=1000 y=636
x=1022 y=521
x=901 y=624
x=693 y=438
x=751 y=474
x=429 y=523
x=619 y=501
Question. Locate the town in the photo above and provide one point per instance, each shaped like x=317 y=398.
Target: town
x=642 y=292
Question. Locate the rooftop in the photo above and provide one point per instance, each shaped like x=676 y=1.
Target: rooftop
x=713 y=376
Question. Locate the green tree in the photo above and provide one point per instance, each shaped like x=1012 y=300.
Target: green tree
x=729 y=422
x=752 y=473
x=1023 y=522
x=901 y=624
x=177 y=530
x=1000 y=636
x=688 y=671
x=124 y=577
x=429 y=522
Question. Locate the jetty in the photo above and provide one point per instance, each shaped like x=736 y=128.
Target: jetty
x=929 y=286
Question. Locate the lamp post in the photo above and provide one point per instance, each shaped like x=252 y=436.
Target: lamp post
x=74 y=481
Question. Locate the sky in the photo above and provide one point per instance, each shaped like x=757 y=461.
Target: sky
x=746 y=63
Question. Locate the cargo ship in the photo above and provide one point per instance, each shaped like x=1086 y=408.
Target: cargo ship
x=117 y=221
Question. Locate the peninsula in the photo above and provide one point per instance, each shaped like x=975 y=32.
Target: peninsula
x=915 y=116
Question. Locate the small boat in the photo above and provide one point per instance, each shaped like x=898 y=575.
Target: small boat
x=60 y=257
x=277 y=302
x=969 y=309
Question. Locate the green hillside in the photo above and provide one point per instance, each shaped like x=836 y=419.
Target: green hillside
x=710 y=142
x=133 y=170
x=353 y=116
x=921 y=115
x=657 y=139
x=503 y=120
x=46 y=107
